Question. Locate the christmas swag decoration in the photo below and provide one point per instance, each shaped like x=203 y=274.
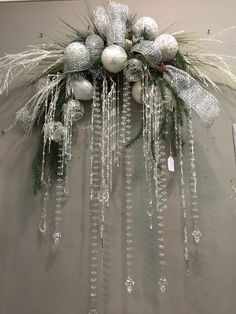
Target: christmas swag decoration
x=117 y=59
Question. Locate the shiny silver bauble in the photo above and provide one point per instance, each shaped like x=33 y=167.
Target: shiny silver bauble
x=75 y=109
x=82 y=89
x=95 y=45
x=133 y=71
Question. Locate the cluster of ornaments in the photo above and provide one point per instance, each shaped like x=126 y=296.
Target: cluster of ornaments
x=110 y=47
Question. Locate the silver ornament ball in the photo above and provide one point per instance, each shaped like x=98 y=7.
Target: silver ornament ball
x=75 y=108
x=137 y=92
x=95 y=45
x=54 y=131
x=133 y=70
x=114 y=58
x=148 y=25
x=77 y=57
x=82 y=89
x=168 y=46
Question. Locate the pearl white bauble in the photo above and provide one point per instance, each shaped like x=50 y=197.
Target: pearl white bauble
x=147 y=25
x=137 y=92
x=82 y=89
x=77 y=57
x=114 y=58
x=168 y=46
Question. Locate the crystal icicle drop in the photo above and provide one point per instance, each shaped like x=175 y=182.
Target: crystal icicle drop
x=126 y=129
x=95 y=185
x=193 y=181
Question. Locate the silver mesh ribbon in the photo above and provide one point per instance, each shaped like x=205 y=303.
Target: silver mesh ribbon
x=118 y=14
x=149 y=49
x=196 y=97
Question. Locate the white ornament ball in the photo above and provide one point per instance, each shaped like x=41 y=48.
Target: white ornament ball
x=114 y=58
x=82 y=89
x=54 y=131
x=147 y=25
x=137 y=92
x=77 y=57
x=168 y=46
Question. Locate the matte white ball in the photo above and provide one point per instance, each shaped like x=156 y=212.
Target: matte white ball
x=77 y=57
x=148 y=25
x=168 y=46
x=137 y=92
x=82 y=89
x=114 y=58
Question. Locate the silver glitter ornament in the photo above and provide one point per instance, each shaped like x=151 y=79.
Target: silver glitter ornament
x=101 y=21
x=54 y=131
x=137 y=92
x=133 y=70
x=77 y=57
x=82 y=89
x=146 y=25
x=95 y=45
x=76 y=109
x=114 y=58
x=168 y=46
x=149 y=49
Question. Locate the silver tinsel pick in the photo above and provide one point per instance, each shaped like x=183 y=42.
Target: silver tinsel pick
x=199 y=99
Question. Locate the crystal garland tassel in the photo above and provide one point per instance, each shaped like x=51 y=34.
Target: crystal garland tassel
x=95 y=184
x=193 y=181
x=126 y=129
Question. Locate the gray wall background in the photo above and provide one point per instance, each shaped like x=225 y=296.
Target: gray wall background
x=34 y=282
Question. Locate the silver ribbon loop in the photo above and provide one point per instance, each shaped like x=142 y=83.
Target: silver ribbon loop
x=200 y=100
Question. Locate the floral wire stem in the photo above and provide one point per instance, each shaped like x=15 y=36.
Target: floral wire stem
x=126 y=120
x=95 y=184
x=193 y=181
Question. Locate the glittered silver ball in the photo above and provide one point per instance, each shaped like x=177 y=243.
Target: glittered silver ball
x=77 y=57
x=133 y=70
x=95 y=45
x=54 y=131
x=168 y=46
x=101 y=20
x=137 y=92
x=82 y=89
x=75 y=108
x=114 y=58
x=146 y=25
x=149 y=49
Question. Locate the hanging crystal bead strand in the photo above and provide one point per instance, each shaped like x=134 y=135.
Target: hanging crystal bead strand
x=126 y=118
x=193 y=181
x=179 y=144
x=160 y=187
x=95 y=184
x=43 y=218
x=57 y=235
